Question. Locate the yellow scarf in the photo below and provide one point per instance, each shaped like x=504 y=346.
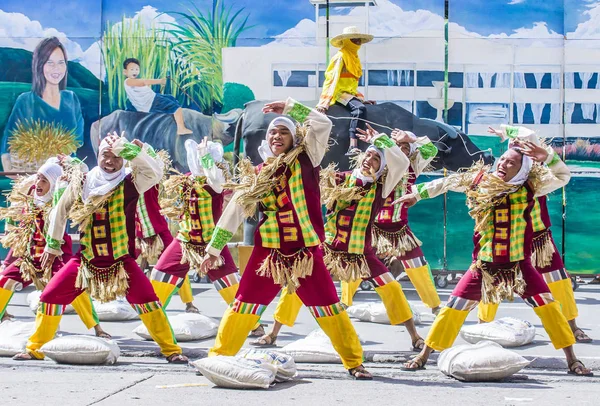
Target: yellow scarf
x=349 y=51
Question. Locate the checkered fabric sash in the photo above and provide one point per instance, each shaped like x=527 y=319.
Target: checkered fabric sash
x=503 y=240
x=536 y=217
x=270 y=229
x=360 y=220
x=199 y=213
x=144 y=218
x=118 y=226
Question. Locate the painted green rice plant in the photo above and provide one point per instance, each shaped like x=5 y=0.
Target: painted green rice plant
x=199 y=39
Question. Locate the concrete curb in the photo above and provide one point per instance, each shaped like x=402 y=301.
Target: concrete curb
x=387 y=357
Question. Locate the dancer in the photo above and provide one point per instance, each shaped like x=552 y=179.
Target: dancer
x=353 y=201
x=196 y=201
x=545 y=256
x=154 y=236
x=31 y=200
x=341 y=81
x=287 y=241
x=392 y=236
x=103 y=204
x=501 y=203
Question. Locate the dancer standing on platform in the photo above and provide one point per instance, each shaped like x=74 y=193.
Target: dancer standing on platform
x=103 y=203
x=545 y=256
x=287 y=241
x=501 y=204
x=353 y=200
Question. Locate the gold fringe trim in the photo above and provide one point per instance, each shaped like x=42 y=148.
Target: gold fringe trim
x=395 y=243
x=543 y=250
x=346 y=267
x=29 y=272
x=286 y=270
x=499 y=284
x=194 y=254
x=150 y=248
x=103 y=284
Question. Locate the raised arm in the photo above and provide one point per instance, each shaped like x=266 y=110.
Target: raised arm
x=57 y=220
x=319 y=128
x=559 y=174
x=145 y=164
x=214 y=175
x=396 y=161
x=426 y=152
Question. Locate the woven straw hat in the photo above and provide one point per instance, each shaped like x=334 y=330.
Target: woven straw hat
x=350 y=33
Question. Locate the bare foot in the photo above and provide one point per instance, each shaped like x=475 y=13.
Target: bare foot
x=190 y=308
x=101 y=333
x=177 y=359
x=184 y=131
x=23 y=356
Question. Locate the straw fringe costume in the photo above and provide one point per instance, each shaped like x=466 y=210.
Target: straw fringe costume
x=545 y=256
x=287 y=241
x=196 y=201
x=353 y=201
x=392 y=236
x=26 y=237
x=154 y=237
x=503 y=246
x=105 y=265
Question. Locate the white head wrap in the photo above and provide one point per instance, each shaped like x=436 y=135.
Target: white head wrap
x=365 y=178
x=51 y=171
x=215 y=150
x=264 y=150
x=100 y=183
x=523 y=174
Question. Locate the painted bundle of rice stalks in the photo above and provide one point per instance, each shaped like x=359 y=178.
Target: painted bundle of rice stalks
x=36 y=141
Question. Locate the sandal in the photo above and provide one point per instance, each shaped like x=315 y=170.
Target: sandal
x=417 y=360
x=23 y=356
x=577 y=368
x=177 y=359
x=353 y=151
x=581 y=337
x=258 y=331
x=360 y=373
x=418 y=344
x=103 y=334
x=266 y=341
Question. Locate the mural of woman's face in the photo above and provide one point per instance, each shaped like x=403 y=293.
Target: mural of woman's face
x=55 y=67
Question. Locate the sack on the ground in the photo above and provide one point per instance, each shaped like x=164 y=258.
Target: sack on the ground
x=186 y=327
x=286 y=367
x=83 y=350
x=507 y=331
x=316 y=347
x=117 y=310
x=33 y=300
x=376 y=313
x=236 y=372
x=13 y=336
x=484 y=361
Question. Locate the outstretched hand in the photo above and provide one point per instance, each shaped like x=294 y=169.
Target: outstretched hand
x=401 y=136
x=535 y=152
x=47 y=260
x=274 y=107
x=368 y=135
x=492 y=130
x=408 y=200
x=209 y=263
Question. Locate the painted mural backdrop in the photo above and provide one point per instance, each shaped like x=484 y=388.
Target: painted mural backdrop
x=70 y=73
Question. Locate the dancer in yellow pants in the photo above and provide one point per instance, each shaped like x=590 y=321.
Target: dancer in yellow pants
x=31 y=201
x=501 y=204
x=354 y=200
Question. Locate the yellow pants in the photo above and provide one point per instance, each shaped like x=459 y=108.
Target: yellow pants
x=423 y=282
x=185 y=291
x=349 y=290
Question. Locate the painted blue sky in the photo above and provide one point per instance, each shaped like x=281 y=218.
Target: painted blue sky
x=81 y=18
